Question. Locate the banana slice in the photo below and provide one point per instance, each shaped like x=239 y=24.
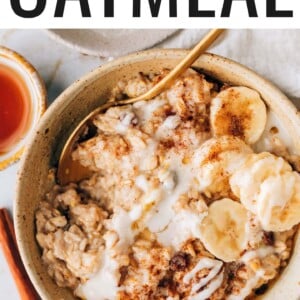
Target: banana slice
x=238 y=111
x=217 y=159
x=223 y=230
x=268 y=187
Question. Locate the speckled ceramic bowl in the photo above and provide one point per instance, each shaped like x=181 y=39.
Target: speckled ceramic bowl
x=38 y=99
x=85 y=95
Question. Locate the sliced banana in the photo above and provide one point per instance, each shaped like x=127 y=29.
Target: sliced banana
x=268 y=187
x=216 y=160
x=223 y=230
x=238 y=111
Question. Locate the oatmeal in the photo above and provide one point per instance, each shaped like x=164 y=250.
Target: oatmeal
x=181 y=205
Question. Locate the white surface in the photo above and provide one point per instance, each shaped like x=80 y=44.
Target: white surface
x=272 y=53
x=106 y=42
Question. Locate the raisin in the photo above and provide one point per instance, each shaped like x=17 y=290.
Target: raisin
x=261 y=290
x=179 y=261
x=269 y=238
x=124 y=272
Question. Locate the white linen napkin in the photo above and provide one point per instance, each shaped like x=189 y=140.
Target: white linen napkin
x=274 y=54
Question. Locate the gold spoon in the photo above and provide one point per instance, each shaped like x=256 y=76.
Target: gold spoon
x=70 y=170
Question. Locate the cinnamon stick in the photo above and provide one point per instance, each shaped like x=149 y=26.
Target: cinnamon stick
x=11 y=253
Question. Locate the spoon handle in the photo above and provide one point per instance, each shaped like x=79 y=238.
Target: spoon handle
x=203 y=45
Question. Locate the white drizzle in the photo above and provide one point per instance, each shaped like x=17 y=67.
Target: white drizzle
x=144 y=109
x=258 y=253
x=163 y=212
x=210 y=289
x=253 y=281
x=247 y=289
x=205 y=263
x=125 y=123
x=104 y=284
x=187 y=223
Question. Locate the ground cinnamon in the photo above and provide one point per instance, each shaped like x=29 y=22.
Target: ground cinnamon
x=10 y=249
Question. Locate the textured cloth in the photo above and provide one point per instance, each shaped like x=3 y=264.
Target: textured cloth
x=274 y=54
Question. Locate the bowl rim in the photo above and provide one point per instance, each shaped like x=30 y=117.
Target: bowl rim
x=90 y=77
x=38 y=84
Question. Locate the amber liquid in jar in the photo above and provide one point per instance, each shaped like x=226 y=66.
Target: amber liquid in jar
x=15 y=108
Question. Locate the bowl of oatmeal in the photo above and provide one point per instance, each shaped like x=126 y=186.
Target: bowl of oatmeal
x=194 y=194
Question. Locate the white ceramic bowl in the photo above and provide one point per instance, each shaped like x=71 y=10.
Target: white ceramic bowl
x=85 y=95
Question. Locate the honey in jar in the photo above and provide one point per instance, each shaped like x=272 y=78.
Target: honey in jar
x=15 y=108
